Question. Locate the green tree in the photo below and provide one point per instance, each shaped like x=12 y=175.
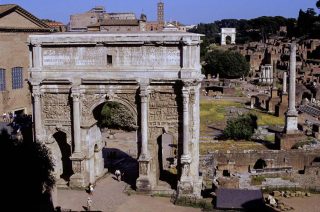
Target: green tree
x=228 y=64
x=241 y=127
x=115 y=115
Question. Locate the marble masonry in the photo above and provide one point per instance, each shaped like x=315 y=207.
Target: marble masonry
x=155 y=75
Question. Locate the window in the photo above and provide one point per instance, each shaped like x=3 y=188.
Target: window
x=109 y=59
x=17 y=78
x=2 y=79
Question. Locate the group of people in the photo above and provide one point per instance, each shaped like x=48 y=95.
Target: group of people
x=8 y=117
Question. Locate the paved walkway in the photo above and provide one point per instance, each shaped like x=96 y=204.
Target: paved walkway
x=109 y=196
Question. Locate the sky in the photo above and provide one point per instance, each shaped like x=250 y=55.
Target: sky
x=185 y=11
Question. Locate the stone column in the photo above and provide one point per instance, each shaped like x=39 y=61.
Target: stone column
x=186 y=157
x=37 y=113
x=292 y=114
x=144 y=183
x=264 y=75
x=284 y=86
x=79 y=178
x=76 y=120
x=292 y=79
x=185 y=185
x=144 y=123
x=185 y=94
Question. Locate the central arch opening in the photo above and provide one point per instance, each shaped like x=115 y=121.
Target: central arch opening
x=228 y=40
x=119 y=131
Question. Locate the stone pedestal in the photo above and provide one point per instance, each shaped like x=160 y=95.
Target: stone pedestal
x=78 y=179
x=185 y=185
x=144 y=183
x=285 y=141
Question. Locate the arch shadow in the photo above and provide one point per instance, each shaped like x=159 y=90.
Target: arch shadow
x=61 y=139
x=116 y=159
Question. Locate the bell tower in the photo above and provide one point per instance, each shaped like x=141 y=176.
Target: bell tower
x=161 y=13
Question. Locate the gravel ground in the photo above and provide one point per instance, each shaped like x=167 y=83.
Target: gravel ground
x=108 y=196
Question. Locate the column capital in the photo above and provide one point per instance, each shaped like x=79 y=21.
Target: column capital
x=144 y=93
x=190 y=83
x=185 y=95
x=75 y=96
x=186 y=159
x=75 y=93
x=36 y=93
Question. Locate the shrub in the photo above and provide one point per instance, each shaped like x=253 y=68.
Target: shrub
x=241 y=127
x=116 y=116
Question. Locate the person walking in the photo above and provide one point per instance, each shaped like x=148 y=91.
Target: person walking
x=91 y=189
x=89 y=204
x=118 y=174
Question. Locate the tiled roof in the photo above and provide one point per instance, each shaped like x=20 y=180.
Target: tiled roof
x=8 y=8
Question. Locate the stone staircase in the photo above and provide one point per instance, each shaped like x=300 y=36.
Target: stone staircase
x=313 y=111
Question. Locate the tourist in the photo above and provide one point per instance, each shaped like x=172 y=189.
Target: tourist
x=118 y=174
x=91 y=189
x=89 y=204
x=4 y=117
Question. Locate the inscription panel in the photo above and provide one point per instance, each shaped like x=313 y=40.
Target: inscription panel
x=76 y=56
x=143 y=56
x=148 y=56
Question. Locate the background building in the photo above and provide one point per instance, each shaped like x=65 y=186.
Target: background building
x=16 y=24
x=97 y=19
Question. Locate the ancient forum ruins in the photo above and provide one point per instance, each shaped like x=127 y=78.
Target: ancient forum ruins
x=155 y=75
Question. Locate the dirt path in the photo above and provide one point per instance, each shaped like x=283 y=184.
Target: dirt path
x=305 y=204
x=109 y=196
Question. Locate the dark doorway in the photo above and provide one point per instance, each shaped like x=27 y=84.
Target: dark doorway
x=65 y=149
x=228 y=40
x=260 y=164
x=167 y=157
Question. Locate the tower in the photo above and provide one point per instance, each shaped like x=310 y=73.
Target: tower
x=161 y=13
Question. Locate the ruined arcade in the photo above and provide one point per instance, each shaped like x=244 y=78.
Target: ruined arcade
x=156 y=76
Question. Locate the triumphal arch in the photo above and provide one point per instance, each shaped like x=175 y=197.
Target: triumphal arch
x=155 y=75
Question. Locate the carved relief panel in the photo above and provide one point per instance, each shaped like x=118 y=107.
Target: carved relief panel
x=163 y=114
x=87 y=102
x=56 y=109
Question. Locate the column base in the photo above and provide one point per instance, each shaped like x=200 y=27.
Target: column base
x=185 y=188
x=78 y=180
x=189 y=188
x=144 y=184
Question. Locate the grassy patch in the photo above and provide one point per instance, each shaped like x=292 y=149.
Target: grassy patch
x=222 y=145
x=265 y=119
x=269 y=138
x=257 y=180
x=204 y=204
x=213 y=111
